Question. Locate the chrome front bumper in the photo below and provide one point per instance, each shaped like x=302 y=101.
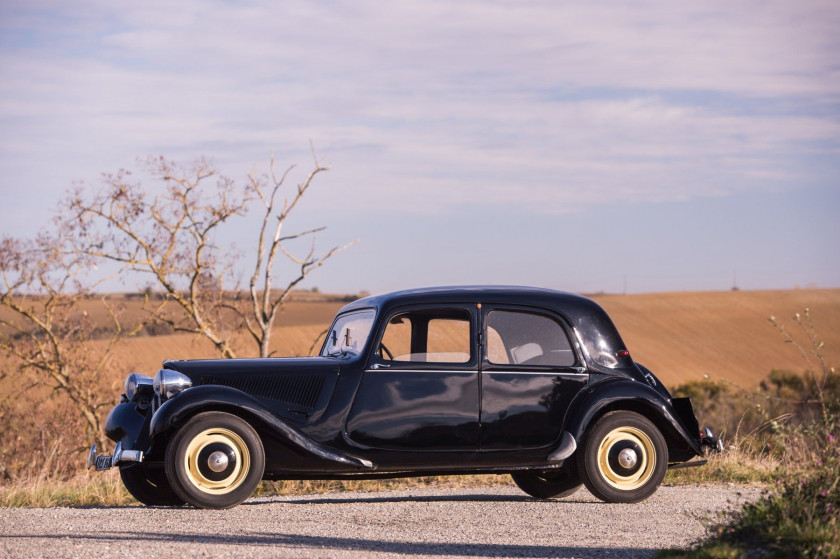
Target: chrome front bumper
x=106 y=461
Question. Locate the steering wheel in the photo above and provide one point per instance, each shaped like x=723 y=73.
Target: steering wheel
x=382 y=349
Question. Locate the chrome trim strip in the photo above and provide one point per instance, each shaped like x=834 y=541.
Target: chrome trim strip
x=472 y=372
x=552 y=373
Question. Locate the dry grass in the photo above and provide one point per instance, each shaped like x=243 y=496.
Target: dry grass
x=735 y=466
x=86 y=489
x=106 y=489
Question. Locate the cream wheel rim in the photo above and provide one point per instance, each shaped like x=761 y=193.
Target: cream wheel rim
x=202 y=470
x=626 y=446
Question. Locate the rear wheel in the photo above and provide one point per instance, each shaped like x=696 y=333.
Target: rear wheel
x=624 y=458
x=215 y=461
x=149 y=485
x=549 y=484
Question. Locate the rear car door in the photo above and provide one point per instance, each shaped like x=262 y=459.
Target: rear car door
x=530 y=371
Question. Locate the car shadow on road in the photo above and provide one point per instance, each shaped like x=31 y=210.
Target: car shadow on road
x=476 y=497
x=325 y=544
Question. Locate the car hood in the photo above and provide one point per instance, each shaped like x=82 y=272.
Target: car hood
x=294 y=388
x=269 y=365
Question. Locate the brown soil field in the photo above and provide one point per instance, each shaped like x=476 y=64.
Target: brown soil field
x=303 y=308
x=723 y=334
x=679 y=336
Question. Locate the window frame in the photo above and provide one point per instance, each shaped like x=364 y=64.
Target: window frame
x=565 y=325
x=376 y=362
x=341 y=315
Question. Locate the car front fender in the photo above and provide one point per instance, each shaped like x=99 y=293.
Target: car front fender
x=620 y=393
x=125 y=424
x=194 y=400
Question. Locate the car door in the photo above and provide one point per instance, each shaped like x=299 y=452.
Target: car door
x=530 y=371
x=420 y=388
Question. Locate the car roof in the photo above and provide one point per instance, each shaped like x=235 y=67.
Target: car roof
x=568 y=303
x=594 y=326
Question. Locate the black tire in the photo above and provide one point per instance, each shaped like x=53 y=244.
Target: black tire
x=616 y=476
x=549 y=484
x=149 y=485
x=215 y=461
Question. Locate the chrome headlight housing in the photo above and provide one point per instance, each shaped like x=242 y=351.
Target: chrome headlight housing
x=137 y=385
x=168 y=383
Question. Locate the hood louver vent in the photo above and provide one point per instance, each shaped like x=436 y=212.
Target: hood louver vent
x=300 y=390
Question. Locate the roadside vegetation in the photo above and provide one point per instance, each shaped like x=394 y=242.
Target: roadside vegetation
x=786 y=435
x=62 y=341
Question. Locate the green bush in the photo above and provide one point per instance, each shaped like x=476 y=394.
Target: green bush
x=798 y=517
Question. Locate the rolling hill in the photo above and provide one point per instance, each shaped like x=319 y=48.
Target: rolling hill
x=680 y=336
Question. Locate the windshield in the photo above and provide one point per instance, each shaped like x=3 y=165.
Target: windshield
x=348 y=334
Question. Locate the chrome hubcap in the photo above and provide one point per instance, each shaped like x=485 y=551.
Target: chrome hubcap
x=627 y=458
x=217 y=461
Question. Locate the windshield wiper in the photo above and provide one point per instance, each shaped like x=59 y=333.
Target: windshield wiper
x=341 y=353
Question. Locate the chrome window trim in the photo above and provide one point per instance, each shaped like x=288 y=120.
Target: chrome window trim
x=551 y=373
x=389 y=370
x=462 y=371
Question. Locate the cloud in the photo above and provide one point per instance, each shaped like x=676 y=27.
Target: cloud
x=433 y=105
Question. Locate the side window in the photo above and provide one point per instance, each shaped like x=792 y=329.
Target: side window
x=427 y=336
x=449 y=340
x=523 y=338
x=396 y=342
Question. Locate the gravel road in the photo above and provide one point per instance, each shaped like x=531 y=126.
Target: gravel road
x=475 y=522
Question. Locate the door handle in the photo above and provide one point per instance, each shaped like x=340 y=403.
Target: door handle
x=379 y=366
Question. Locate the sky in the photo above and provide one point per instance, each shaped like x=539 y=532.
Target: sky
x=583 y=146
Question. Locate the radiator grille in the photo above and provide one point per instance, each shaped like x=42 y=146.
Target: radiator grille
x=301 y=390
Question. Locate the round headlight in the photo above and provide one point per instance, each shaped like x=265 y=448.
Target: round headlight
x=136 y=384
x=168 y=383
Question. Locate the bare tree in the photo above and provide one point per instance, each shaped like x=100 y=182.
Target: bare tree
x=265 y=301
x=169 y=237
x=44 y=333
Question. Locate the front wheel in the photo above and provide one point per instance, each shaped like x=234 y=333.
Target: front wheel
x=149 y=485
x=215 y=461
x=624 y=458
x=549 y=484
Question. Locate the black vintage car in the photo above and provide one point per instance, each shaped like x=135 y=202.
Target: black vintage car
x=508 y=380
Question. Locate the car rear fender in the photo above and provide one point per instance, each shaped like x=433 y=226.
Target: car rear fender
x=625 y=394
x=177 y=410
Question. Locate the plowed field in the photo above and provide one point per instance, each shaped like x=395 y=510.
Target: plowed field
x=680 y=336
